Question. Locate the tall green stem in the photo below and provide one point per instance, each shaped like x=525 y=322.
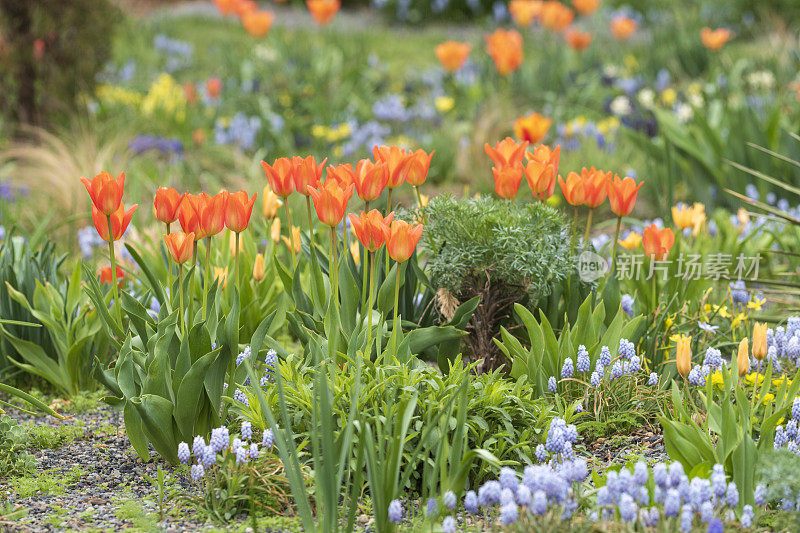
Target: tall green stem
x=614 y=250
x=206 y=275
x=169 y=271
x=371 y=258
x=236 y=263
x=291 y=236
x=588 y=224
x=396 y=329
x=574 y=231
x=388 y=210
x=113 y=260
x=310 y=227
x=334 y=271
x=419 y=196
x=180 y=291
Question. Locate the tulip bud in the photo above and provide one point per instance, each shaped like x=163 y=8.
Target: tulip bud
x=759 y=340
x=683 y=355
x=296 y=242
x=258 y=268
x=743 y=359
x=271 y=203
x=275 y=230
x=355 y=251
x=221 y=276
x=180 y=246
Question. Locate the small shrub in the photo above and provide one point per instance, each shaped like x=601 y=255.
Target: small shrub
x=503 y=252
x=13 y=458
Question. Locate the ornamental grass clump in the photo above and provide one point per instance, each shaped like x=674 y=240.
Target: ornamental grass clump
x=502 y=252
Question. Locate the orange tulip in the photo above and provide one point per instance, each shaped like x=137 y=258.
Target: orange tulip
x=415 y=168
x=296 y=243
x=370 y=228
x=542 y=170
x=507 y=180
x=166 y=204
x=524 y=11
x=578 y=40
x=307 y=173
x=280 y=176
x=226 y=7
x=393 y=157
x=506 y=152
x=189 y=216
x=105 y=275
x=342 y=174
x=119 y=222
x=452 y=55
x=323 y=10
x=243 y=7
x=330 y=201
x=190 y=92
x=211 y=212
x=683 y=354
x=401 y=239
x=370 y=179
x=572 y=188
x=180 y=246
x=214 y=87
x=657 y=242
x=715 y=39
x=622 y=195
x=505 y=49
x=585 y=7
x=595 y=187
x=556 y=16
x=238 y=210
x=623 y=27
x=743 y=358
x=258 y=23
x=532 y=128
x=105 y=191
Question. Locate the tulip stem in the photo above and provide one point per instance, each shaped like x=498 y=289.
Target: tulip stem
x=388 y=210
x=112 y=258
x=371 y=260
x=312 y=245
x=169 y=271
x=574 y=231
x=236 y=263
x=334 y=272
x=365 y=264
x=291 y=237
x=588 y=224
x=419 y=196
x=180 y=290
x=614 y=251
x=396 y=328
x=206 y=276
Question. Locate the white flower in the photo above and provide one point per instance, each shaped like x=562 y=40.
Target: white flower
x=620 y=105
x=683 y=112
x=696 y=100
x=647 y=98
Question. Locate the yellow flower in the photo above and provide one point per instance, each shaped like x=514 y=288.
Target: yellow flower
x=743 y=218
x=444 y=104
x=756 y=303
x=717 y=380
x=221 y=276
x=275 y=230
x=318 y=130
x=683 y=354
x=719 y=310
x=754 y=377
x=779 y=381
x=668 y=96
x=668 y=322
x=285 y=100
x=424 y=199
x=258 y=268
x=166 y=96
x=738 y=319
x=355 y=251
x=633 y=240
x=295 y=239
x=630 y=62
x=271 y=203
x=698 y=218
x=768 y=398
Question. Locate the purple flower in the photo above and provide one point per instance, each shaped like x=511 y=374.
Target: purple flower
x=508 y=513
x=708 y=328
x=653 y=379
x=449 y=500
x=567 y=369
x=197 y=472
x=247 y=430
x=583 y=359
x=489 y=493
x=552 y=385
x=449 y=525
x=471 y=502
x=539 y=503
x=432 y=508
x=395 y=511
x=183 y=453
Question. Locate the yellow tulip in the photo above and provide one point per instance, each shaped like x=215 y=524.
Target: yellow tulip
x=258 y=268
x=271 y=203
x=355 y=251
x=682 y=216
x=743 y=359
x=295 y=240
x=275 y=230
x=759 y=340
x=221 y=276
x=683 y=354
x=633 y=240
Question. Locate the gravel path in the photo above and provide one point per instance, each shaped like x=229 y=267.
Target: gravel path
x=107 y=475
